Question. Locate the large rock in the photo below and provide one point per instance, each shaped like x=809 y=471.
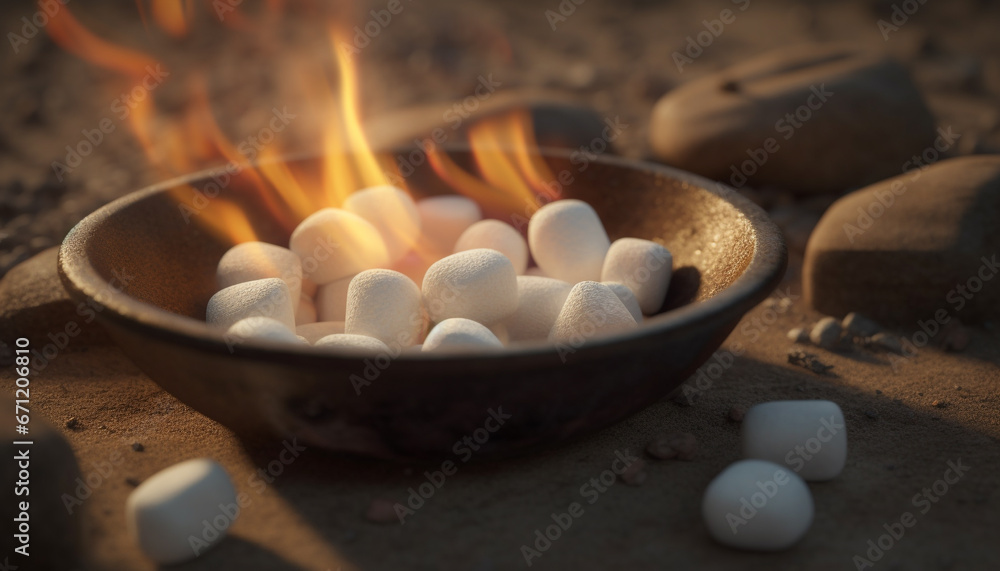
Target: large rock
x=54 y=505
x=924 y=245
x=816 y=118
x=34 y=304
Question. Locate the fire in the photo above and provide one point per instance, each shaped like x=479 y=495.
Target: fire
x=509 y=178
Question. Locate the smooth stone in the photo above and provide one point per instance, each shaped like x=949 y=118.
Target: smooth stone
x=34 y=304
x=826 y=333
x=808 y=437
x=860 y=115
x=912 y=260
x=857 y=325
x=780 y=513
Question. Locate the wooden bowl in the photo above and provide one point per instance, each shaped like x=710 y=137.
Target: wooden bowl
x=153 y=271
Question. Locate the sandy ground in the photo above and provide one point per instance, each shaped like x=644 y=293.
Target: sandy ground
x=616 y=57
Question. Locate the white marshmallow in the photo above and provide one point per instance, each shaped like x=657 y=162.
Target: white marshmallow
x=171 y=506
x=628 y=299
x=476 y=284
x=498 y=236
x=778 y=499
x=355 y=343
x=385 y=305
x=779 y=430
x=539 y=302
x=305 y=312
x=457 y=334
x=642 y=265
x=444 y=218
x=392 y=212
x=591 y=309
x=260 y=328
x=268 y=297
x=331 y=300
x=313 y=332
x=258 y=260
x=334 y=244
x=568 y=241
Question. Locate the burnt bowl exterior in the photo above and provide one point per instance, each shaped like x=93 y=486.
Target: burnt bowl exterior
x=149 y=260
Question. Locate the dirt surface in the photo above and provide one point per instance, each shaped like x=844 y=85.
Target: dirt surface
x=617 y=58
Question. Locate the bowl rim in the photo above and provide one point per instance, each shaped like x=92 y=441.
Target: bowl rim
x=762 y=273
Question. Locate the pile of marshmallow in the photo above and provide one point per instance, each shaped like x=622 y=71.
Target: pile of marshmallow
x=384 y=273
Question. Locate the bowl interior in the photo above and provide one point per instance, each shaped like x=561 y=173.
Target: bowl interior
x=160 y=252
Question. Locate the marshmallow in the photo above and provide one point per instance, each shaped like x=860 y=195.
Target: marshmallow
x=539 y=302
x=806 y=436
x=313 y=332
x=268 y=297
x=261 y=328
x=258 y=260
x=758 y=505
x=498 y=236
x=499 y=330
x=385 y=305
x=305 y=312
x=642 y=265
x=591 y=309
x=476 y=284
x=392 y=212
x=361 y=343
x=628 y=299
x=414 y=265
x=331 y=300
x=460 y=334
x=444 y=218
x=172 y=506
x=334 y=244
x=568 y=241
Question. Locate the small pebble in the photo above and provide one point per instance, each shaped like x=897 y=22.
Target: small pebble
x=382 y=510
x=635 y=474
x=568 y=241
x=499 y=236
x=134 y=482
x=939 y=404
x=480 y=285
x=826 y=333
x=808 y=361
x=808 y=436
x=758 y=505
x=268 y=297
x=334 y=244
x=798 y=335
x=643 y=266
x=736 y=413
x=857 y=325
x=138 y=447
x=73 y=423
x=871 y=414
x=392 y=212
x=460 y=334
x=887 y=342
x=673 y=445
x=172 y=506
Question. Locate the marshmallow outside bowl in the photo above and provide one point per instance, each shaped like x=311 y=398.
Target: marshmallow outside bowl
x=807 y=436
